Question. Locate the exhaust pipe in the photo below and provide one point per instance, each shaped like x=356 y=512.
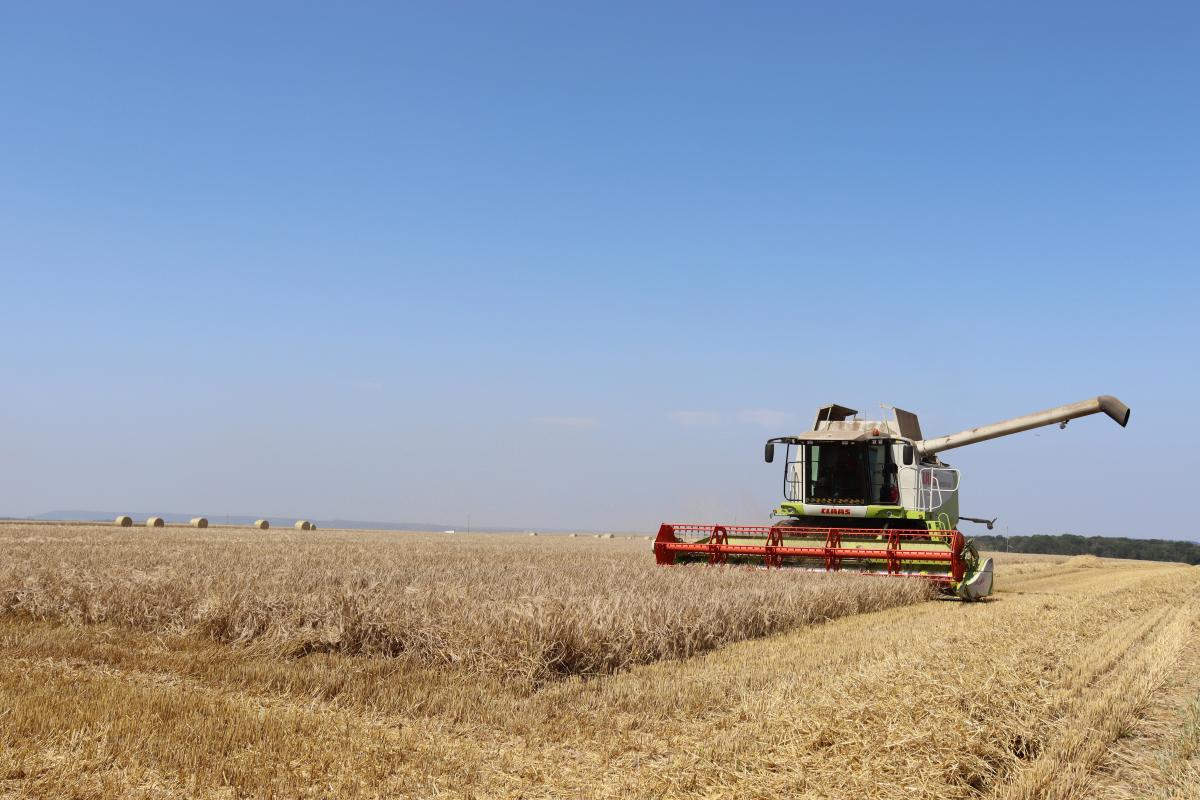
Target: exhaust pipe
x=1114 y=408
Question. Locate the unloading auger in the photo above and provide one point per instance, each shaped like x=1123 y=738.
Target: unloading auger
x=868 y=496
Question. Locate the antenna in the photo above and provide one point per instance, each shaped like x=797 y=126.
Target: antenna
x=895 y=419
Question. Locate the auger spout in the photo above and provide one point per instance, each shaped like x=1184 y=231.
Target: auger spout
x=1107 y=404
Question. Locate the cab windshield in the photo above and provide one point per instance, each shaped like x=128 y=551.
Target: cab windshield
x=849 y=473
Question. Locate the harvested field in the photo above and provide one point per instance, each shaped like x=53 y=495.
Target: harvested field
x=118 y=677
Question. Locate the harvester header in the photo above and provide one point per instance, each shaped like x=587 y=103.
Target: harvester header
x=869 y=496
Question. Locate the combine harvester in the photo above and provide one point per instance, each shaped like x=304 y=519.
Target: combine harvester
x=870 y=497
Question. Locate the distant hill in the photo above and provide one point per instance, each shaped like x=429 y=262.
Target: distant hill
x=1070 y=544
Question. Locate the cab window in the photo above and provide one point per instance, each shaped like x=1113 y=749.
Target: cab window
x=856 y=473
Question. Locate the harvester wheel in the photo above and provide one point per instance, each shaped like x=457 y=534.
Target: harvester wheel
x=970 y=555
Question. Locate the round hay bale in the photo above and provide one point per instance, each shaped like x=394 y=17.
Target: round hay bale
x=123 y=522
x=312 y=526
x=303 y=525
x=199 y=522
x=531 y=533
x=155 y=522
x=607 y=536
x=261 y=524
x=572 y=535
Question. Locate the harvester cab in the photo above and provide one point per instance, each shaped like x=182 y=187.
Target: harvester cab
x=870 y=496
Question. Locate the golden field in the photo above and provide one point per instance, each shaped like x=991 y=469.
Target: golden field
x=529 y=609
x=235 y=663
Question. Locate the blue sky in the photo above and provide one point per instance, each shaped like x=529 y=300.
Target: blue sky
x=567 y=265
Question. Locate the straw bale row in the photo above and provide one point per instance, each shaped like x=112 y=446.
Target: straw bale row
x=126 y=521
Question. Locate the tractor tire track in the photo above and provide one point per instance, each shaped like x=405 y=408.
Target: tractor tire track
x=1102 y=700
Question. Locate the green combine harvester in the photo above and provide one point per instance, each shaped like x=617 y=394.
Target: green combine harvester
x=868 y=496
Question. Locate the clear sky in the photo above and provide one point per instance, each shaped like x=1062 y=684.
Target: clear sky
x=569 y=264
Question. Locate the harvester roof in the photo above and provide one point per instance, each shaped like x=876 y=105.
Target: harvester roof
x=834 y=423
x=861 y=432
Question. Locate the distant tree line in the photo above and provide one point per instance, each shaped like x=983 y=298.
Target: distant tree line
x=1070 y=544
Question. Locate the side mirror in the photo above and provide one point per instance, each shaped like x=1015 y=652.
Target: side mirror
x=769 y=452
x=908 y=455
